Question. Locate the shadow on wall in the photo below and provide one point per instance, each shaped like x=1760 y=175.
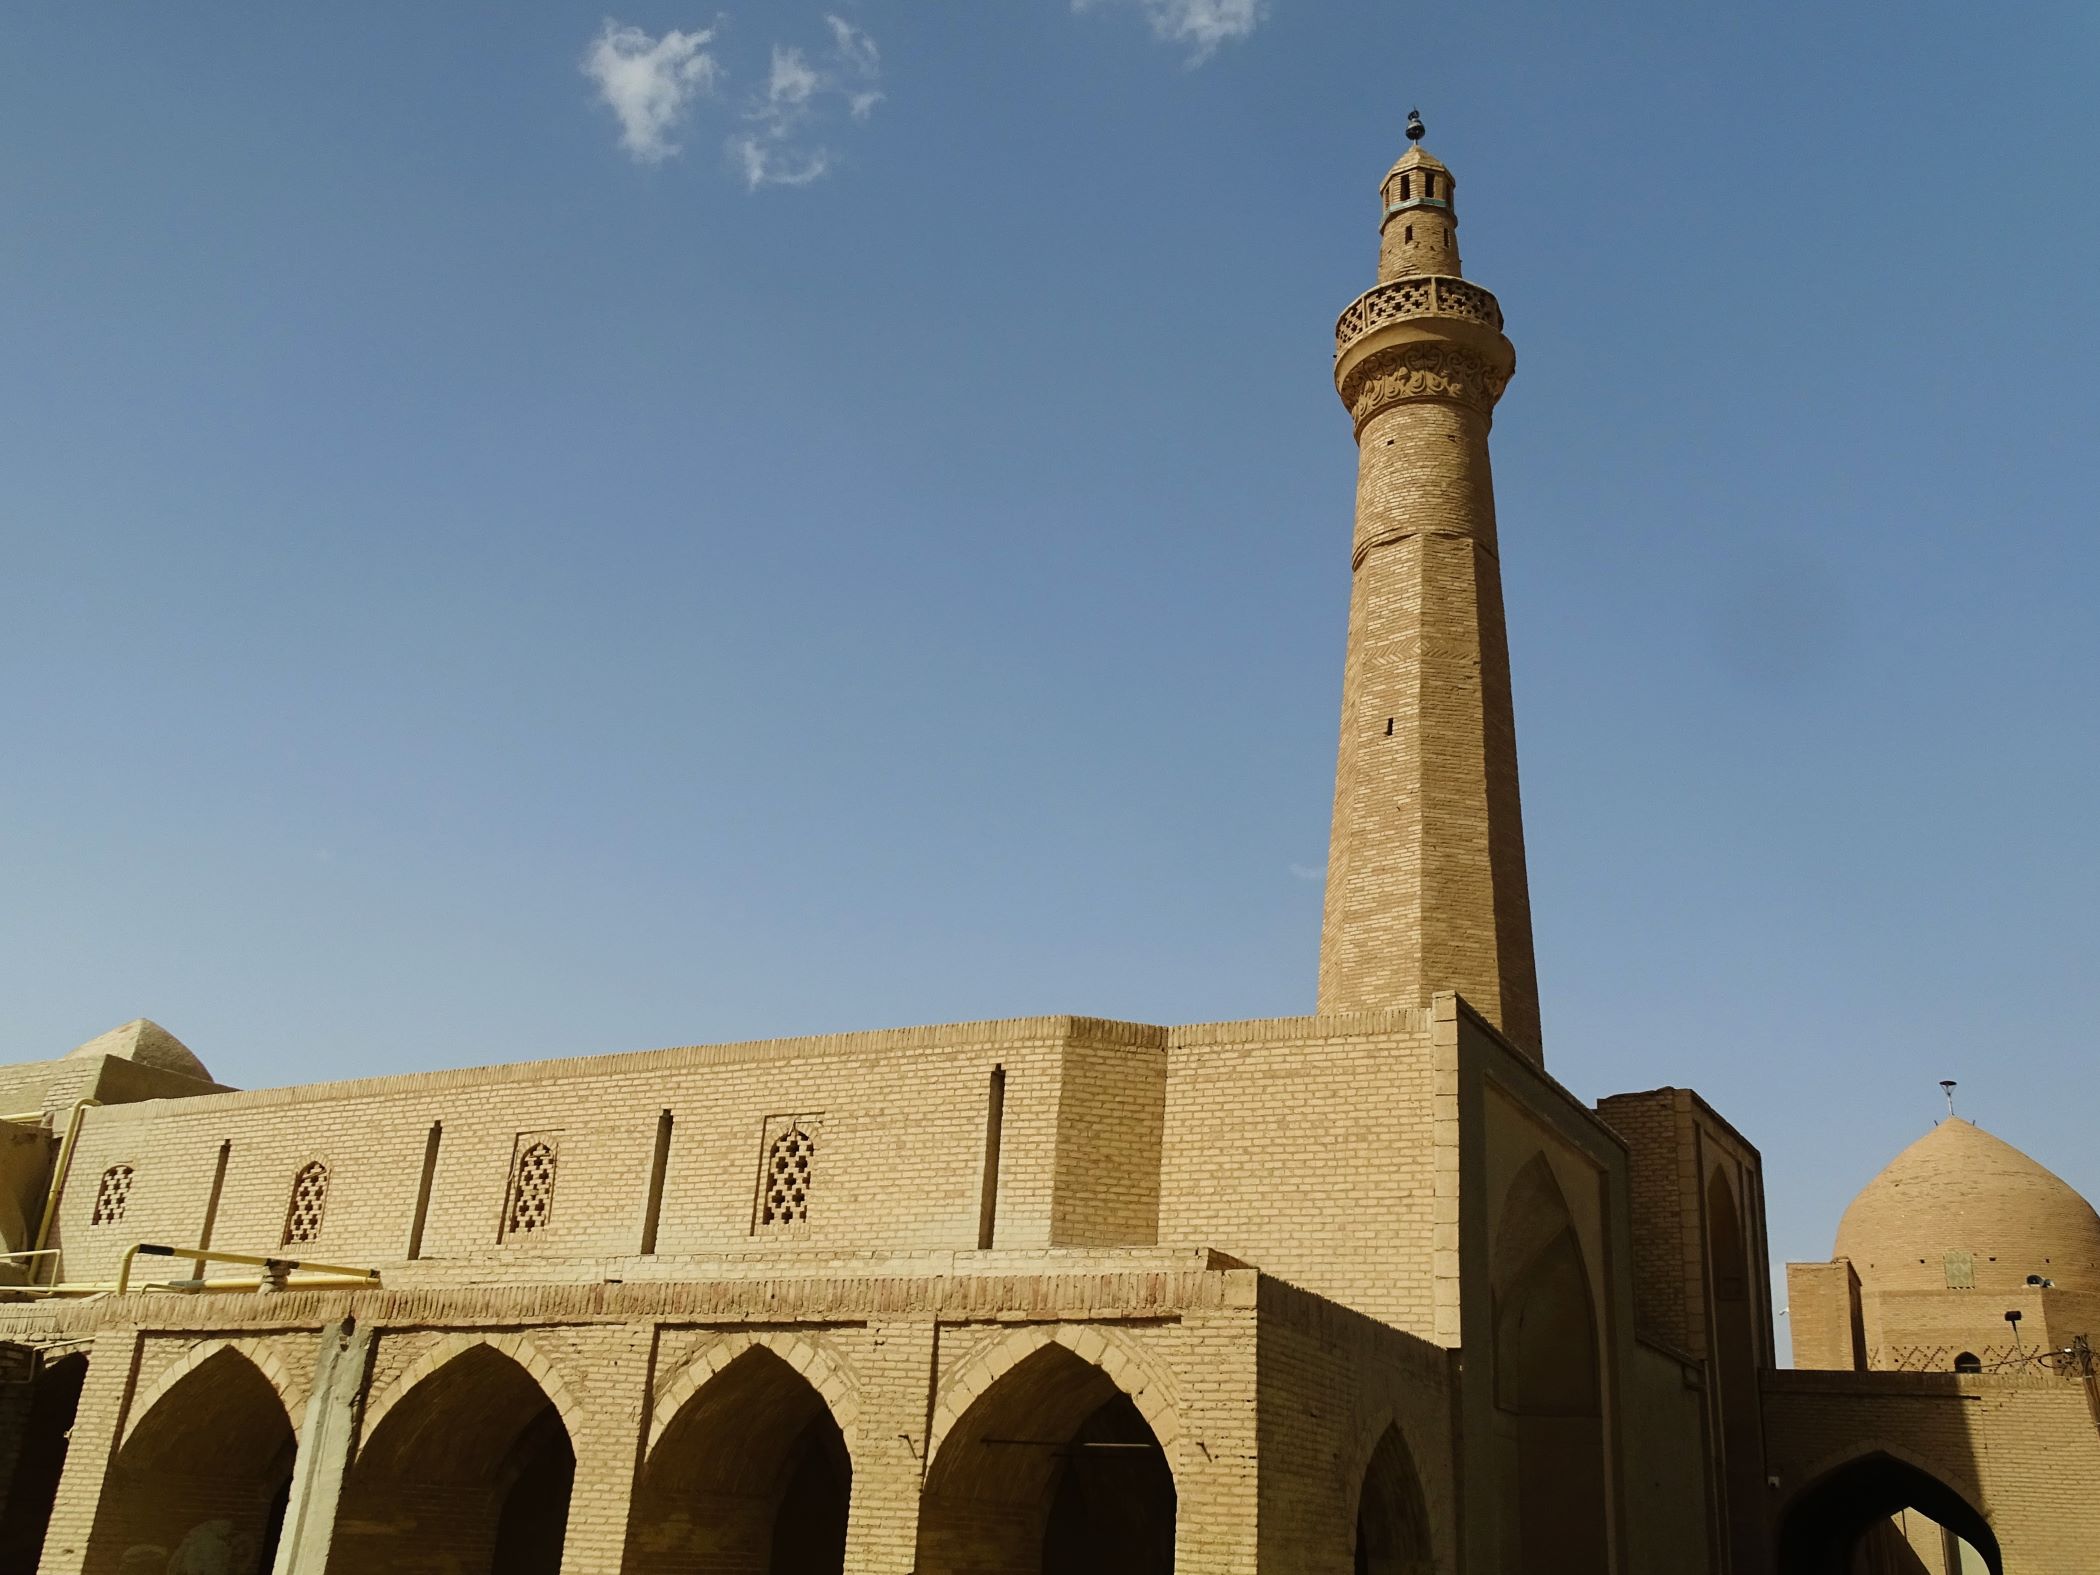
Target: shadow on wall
x=40 y=1458
x=1549 y=1416
x=1052 y=1468
x=752 y=1474
x=472 y=1466
x=1841 y=1525
x=199 y=1487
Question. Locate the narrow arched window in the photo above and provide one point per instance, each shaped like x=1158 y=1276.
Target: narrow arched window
x=302 y=1216
x=1429 y=185
x=1968 y=1362
x=531 y=1190
x=1405 y=180
x=790 y=1168
x=112 y=1196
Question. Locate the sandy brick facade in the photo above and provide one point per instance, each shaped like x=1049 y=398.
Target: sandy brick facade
x=1361 y=1293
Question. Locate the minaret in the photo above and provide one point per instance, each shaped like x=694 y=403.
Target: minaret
x=1425 y=867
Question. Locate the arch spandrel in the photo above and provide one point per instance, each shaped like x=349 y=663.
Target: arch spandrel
x=260 y=1355
x=1848 y=1491
x=833 y=1378
x=1121 y=1358
x=517 y=1347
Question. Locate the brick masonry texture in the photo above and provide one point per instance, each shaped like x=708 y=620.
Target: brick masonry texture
x=1361 y=1293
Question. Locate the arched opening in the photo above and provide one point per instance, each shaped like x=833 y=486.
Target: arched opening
x=1841 y=1524
x=469 y=1471
x=1968 y=1362
x=1052 y=1471
x=1734 y=1355
x=1549 y=1412
x=1392 y=1521
x=752 y=1475
x=201 y=1481
x=40 y=1458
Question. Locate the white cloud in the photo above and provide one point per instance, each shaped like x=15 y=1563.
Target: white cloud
x=650 y=83
x=1309 y=871
x=792 y=81
x=766 y=164
x=782 y=148
x=1201 y=24
x=855 y=49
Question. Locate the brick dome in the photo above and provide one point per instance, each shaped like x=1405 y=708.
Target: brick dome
x=1960 y=1190
x=146 y=1042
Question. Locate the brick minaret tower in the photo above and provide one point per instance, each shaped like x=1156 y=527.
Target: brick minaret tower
x=1425 y=868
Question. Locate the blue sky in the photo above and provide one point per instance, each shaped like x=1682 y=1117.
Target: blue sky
x=529 y=532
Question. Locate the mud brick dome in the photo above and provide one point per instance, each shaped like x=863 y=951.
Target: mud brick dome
x=1959 y=1190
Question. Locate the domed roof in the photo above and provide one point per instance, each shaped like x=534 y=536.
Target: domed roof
x=1960 y=1190
x=1418 y=157
x=146 y=1042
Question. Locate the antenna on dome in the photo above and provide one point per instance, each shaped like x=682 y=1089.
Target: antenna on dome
x=1947 y=1088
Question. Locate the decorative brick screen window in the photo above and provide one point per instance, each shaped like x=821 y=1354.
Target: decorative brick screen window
x=302 y=1220
x=112 y=1196
x=788 y=1174
x=531 y=1186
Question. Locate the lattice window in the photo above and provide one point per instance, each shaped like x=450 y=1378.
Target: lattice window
x=789 y=1173
x=302 y=1219
x=531 y=1188
x=112 y=1196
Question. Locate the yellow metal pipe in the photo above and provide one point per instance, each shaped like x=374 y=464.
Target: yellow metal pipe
x=86 y=1288
x=58 y=1172
x=288 y=1265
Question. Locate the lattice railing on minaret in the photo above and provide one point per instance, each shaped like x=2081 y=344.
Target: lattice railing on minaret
x=1429 y=295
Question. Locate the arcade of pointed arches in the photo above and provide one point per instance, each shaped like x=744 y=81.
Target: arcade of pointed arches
x=1056 y=1446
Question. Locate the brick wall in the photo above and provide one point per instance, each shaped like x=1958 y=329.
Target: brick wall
x=898 y=1121
x=1304 y=1145
x=2013 y=1448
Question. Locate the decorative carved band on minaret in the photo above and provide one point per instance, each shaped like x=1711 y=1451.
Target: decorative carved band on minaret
x=1426 y=889
x=1421 y=371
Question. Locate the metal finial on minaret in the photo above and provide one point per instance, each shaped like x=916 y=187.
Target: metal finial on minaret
x=1415 y=128
x=1947 y=1088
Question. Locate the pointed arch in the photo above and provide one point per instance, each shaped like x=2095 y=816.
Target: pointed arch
x=1044 y=1457
x=1847 y=1499
x=260 y=1355
x=467 y=1462
x=518 y=1347
x=1121 y=1358
x=204 y=1467
x=1391 y=1512
x=1735 y=1351
x=750 y=1468
x=1548 y=1383
x=828 y=1373
x=40 y=1459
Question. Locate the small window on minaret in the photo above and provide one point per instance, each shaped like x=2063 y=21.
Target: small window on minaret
x=1408 y=234
x=1429 y=185
x=1404 y=180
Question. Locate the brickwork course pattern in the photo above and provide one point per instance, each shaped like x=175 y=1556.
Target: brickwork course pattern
x=1360 y=1293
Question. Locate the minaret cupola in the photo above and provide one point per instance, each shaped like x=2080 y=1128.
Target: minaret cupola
x=1418 y=233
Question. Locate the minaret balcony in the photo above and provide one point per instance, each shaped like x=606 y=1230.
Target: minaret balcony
x=1426 y=295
